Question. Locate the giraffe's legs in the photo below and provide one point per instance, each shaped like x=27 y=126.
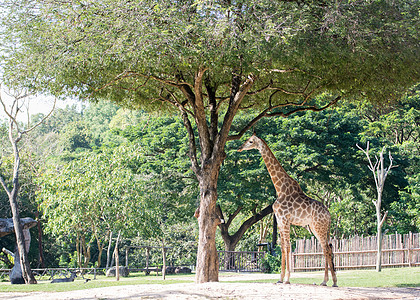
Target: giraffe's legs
x=284 y=229
x=327 y=255
x=285 y=269
x=283 y=260
x=322 y=235
x=329 y=262
x=332 y=268
x=287 y=258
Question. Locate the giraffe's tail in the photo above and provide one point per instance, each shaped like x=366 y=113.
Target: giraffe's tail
x=332 y=257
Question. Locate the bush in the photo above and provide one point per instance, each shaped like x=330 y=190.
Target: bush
x=272 y=263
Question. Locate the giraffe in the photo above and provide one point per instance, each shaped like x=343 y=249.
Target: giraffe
x=293 y=207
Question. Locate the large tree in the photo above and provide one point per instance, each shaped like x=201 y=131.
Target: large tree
x=210 y=59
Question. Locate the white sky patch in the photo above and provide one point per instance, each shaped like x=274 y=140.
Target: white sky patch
x=32 y=105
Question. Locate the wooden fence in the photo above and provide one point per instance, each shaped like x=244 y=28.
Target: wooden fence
x=359 y=252
x=241 y=261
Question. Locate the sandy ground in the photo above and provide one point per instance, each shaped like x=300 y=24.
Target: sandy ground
x=225 y=289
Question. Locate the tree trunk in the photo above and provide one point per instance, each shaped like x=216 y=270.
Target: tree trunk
x=379 y=252
x=379 y=235
x=13 y=194
x=230 y=246
x=40 y=247
x=275 y=234
x=232 y=240
x=164 y=260
x=117 y=259
x=117 y=263
x=86 y=250
x=211 y=144
x=78 y=250
x=100 y=249
x=147 y=260
x=207 y=269
x=126 y=256
x=20 y=239
x=108 y=252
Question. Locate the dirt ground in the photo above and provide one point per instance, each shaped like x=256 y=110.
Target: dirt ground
x=225 y=289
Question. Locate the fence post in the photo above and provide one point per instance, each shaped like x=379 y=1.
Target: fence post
x=410 y=239
x=292 y=262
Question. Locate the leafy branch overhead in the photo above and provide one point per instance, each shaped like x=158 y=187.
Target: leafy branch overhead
x=295 y=49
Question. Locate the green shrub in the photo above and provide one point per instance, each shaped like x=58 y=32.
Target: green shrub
x=272 y=262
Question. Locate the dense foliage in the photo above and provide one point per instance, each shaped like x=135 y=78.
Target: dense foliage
x=134 y=177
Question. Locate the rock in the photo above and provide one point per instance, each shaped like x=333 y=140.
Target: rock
x=123 y=272
x=170 y=270
x=182 y=270
x=6 y=225
x=66 y=279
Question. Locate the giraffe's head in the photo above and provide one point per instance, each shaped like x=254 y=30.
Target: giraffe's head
x=252 y=143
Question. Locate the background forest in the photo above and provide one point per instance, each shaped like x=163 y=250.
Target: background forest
x=93 y=173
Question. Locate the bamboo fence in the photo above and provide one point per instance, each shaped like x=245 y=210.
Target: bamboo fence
x=359 y=252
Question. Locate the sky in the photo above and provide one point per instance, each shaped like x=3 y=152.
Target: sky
x=34 y=105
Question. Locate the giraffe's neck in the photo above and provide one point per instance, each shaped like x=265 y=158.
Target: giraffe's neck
x=277 y=172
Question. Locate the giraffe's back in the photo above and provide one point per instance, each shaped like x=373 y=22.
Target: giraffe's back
x=302 y=210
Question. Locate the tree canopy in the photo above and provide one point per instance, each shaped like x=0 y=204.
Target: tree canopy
x=128 y=50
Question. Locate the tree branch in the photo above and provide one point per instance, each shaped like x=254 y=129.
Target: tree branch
x=200 y=114
x=265 y=113
x=3 y=183
x=252 y=220
x=41 y=121
x=233 y=216
x=192 y=152
x=383 y=219
x=311 y=108
x=235 y=101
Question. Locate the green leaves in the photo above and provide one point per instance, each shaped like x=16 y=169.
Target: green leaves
x=110 y=49
x=93 y=192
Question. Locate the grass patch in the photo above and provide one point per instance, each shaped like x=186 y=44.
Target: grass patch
x=100 y=281
x=389 y=277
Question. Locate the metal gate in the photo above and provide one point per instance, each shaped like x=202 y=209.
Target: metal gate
x=241 y=261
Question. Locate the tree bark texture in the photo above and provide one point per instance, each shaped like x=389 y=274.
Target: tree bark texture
x=207 y=269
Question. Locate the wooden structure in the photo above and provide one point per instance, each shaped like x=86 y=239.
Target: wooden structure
x=359 y=252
